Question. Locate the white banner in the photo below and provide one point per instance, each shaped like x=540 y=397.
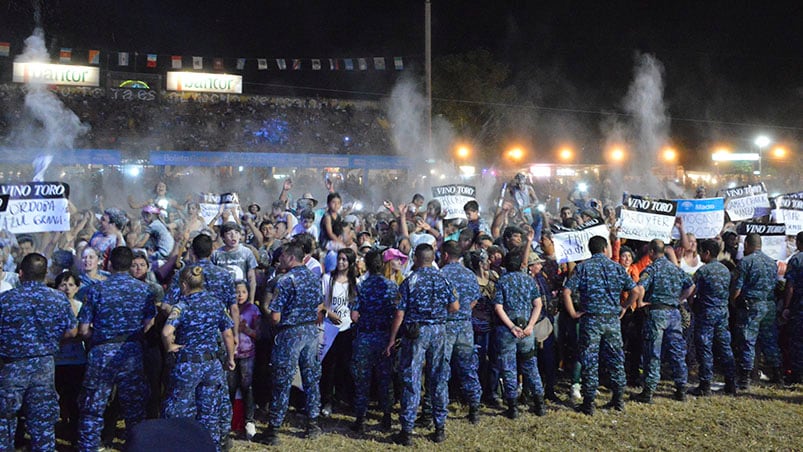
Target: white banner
x=204 y=82
x=789 y=211
x=743 y=203
x=773 y=239
x=56 y=74
x=453 y=198
x=647 y=219
x=212 y=204
x=702 y=217
x=572 y=246
x=36 y=207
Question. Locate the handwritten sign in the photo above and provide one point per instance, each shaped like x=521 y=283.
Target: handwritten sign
x=789 y=211
x=702 y=217
x=35 y=207
x=746 y=202
x=647 y=219
x=572 y=246
x=212 y=204
x=773 y=238
x=453 y=198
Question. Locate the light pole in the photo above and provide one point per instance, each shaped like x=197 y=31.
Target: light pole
x=761 y=142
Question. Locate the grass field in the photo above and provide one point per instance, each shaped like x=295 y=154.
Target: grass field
x=764 y=418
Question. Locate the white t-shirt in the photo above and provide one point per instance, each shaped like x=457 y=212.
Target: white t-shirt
x=339 y=302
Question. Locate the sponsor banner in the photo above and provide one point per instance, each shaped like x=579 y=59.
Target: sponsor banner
x=56 y=74
x=204 y=82
x=453 y=198
x=35 y=207
x=745 y=202
x=646 y=219
x=133 y=95
x=213 y=203
x=572 y=246
x=773 y=239
x=789 y=211
x=702 y=217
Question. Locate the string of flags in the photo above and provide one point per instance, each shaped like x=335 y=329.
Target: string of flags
x=66 y=56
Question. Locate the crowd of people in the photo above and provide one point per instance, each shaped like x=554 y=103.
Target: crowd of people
x=294 y=303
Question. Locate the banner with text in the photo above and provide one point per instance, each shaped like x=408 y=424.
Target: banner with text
x=773 y=239
x=56 y=74
x=453 y=198
x=746 y=202
x=213 y=203
x=572 y=246
x=646 y=219
x=789 y=211
x=702 y=217
x=35 y=207
x=204 y=82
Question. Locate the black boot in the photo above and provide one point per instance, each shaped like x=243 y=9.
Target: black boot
x=512 y=409
x=743 y=380
x=440 y=435
x=702 y=390
x=587 y=407
x=270 y=437
x=474 y=414
x=424 y=421
x=538 y=407
x=387 y=422
x=359 y=425
x=776 y=375
x=645 y=396
x=730 y=386
x=680 y=393
x=617 y=401
x=313 y=429
x=404 y=438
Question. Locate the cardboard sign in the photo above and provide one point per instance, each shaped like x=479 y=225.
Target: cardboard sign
x=746 y=202
x=773 y=239
x=646 y=219
x=453 y=198
x=789 y=211
x=212 y=203
x=702 y=217
x=572 y=246
x=35 y=207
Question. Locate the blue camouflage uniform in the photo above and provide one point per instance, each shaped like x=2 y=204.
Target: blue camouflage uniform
x=33 y=319
x=794 y=279
x=376 y=302
x=663 y=283
x=298 y=295
x=197 y=375
x=116 y=309
x=515 y=291
x=600 y=282
x=712 y=338
x=460 y=333
x=755 y=318
x=218 y=283
x=425 y=295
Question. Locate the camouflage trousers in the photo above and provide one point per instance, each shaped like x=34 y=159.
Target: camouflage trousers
x=427 y=347
x=513 y=351
x=368 y=359
x=28 y=385
x=598 y=331
x=459 y=351
x=295 y=347
x=193 y=392
x=662 y=328
x=712 y=340
x=756 y=323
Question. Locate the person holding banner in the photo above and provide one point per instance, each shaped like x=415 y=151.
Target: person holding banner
x=665 y=285
x=600 y=283
x=755 y=312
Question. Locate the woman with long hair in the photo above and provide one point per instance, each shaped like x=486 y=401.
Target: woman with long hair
x=70 y=361
x=91 y=273
x=339 y=292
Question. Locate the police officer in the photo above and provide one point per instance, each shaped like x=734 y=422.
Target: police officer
x=517 y=304
x=711 y=335
x=191 y=334
x=426 y=299
x=459 y=331
x=793 y=309
x=297 y=307
x=755 y=311
x=33 y=320
x=373 y=311
x=600 y=283
x=115 y=316
x=664 y=285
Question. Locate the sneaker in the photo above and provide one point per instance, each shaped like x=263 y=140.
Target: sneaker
x=250 y=430
x=575 y=393
x=326 y=410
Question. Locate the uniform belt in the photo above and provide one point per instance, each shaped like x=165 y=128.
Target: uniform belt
x=196 y=358
x=287 y=327
x=130 y=337
x=593 y=314
x=8 y=360
x=449 y=319
x=661 y=307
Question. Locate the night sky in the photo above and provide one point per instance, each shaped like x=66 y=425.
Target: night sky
x=732 y=69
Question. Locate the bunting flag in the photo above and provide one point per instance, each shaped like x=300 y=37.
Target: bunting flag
x=151 y=60
x=362 y=64
x=5 y=49
x=296 y=64
x=349 y=63
x=316 y=65
x=281 y=63
x=94 y=57
x=240 y=64
x=379 y=63
x=65 y=55
x=334 y=64
x=217 y=64
x=398 y=63
x=122 y=58
x=175 y=61
x=263 y=64
x=197 y=62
